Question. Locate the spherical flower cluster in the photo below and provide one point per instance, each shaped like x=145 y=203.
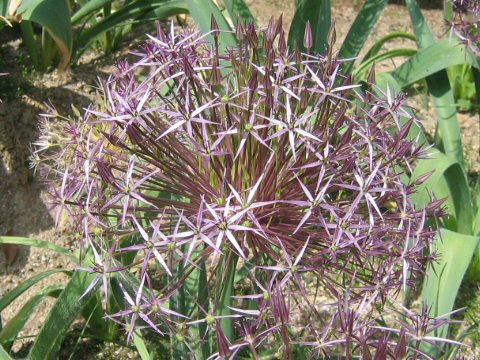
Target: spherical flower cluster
x=262 y=171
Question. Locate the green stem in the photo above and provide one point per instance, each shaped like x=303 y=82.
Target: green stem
x=203 y=301
x=29 y=38
x=48 y=49
x=107 y=38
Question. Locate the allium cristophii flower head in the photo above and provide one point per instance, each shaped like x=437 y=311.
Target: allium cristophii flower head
x=254 y=159
x=466 y=22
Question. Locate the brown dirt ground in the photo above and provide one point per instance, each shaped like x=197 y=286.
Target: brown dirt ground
x=24 y=210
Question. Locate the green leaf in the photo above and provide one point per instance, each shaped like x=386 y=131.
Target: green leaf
x=10 y=331
x=375 y=49
x=360 y=30
x=141 y=347
x=431 y=60
x=197 y=285
x=362 y=70
x=15 y=240
x=443 y=279
x=202 y=12
x=4 y=4
x=424 y=35
x=238 y=9
x=169 y=9
x=89 y=9
x=319 y=14
x=437 y=80
x=24 y=286
x=476 y=223
x=54 y=15
x=131 y=12
x=31 y=44
x=437 y=163
x=476 y=79
x=67 y=308
x=227 y=291
x=95 y=315
x=447 y=181
x=4 y=355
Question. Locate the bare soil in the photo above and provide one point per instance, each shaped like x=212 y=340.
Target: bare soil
x=24 y=209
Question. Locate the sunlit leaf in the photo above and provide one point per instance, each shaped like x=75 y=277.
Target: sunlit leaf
x=54 y=15
x=319 y=14
x=360 y=30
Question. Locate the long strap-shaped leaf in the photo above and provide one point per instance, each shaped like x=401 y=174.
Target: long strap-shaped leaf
x=361 y=71
x=319 y=14
x=10 y=332
x=443 y=280
x=375 y=49
x=129 y=12
x=431 y=60
x=447 y=181
x=89 y=9
x=54 y=15
x=439 y=87
x=202 y=12
x=11 y=296
x=360 y=31
x=4 y=5
x=239 y=10
x=4 y=355
x=67 y=308
x=15 y=240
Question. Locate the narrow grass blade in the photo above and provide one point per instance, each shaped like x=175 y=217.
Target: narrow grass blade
x=24 y=286
x=54 y=15
x=360 y=30
x=10 y=331
x=202 y=12
x=39 y=244
x=238 y=10
x=319 y=14
x=67 y=308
